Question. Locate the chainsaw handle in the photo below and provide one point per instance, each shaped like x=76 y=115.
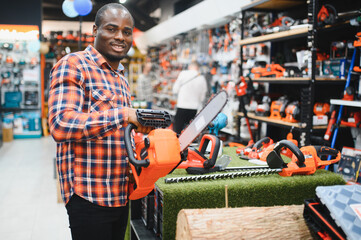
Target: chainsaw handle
x=153 y=118
x=129 y=148
x=274 y=159
x=209 y=163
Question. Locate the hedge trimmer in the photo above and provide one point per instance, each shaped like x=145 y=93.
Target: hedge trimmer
x=305 y=161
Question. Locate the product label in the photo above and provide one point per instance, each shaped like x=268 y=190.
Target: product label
x=357 y=209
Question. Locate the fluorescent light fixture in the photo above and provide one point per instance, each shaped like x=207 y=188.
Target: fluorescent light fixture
x=122 y=1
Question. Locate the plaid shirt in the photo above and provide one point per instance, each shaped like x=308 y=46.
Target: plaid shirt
x=87 y=119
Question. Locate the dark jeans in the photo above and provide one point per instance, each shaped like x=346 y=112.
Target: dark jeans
x=90 y=221
x=182 y=119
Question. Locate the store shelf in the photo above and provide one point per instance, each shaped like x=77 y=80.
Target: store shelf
x=346 y=103
x=279 y=122
x=278 y=36
x=297 y=80
x=270 y=5
x=19 y=109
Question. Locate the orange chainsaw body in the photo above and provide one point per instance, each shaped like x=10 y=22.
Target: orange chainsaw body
x=163 y=154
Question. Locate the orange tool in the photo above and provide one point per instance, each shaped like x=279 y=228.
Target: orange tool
x=292 y=112
x=271 y=70
x=284 y=151
x=327 y=15
x=353 y=120
x=330 y=126
x=210 y=46
x=244 y=151
x=259 y=147
x=321 y=109
x=278 y=108
x=197 y=159
x=305 y=161
x=241 y=91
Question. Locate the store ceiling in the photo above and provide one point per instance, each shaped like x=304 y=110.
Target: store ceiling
x=140 y=10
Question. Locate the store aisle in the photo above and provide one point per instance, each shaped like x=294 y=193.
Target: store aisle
x=28 y=195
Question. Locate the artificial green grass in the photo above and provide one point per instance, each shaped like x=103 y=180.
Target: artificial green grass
x=267 y=190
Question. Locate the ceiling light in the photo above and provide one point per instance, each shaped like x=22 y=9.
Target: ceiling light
x=122 y=1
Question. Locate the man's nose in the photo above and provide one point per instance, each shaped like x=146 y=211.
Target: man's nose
x=119 y=35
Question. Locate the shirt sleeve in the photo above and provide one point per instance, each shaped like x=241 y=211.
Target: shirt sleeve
x=67 y=121
x=177 y=84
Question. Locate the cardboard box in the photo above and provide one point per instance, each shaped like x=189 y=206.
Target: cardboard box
x=8 y=135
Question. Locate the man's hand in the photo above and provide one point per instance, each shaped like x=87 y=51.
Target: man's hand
x=132 y=118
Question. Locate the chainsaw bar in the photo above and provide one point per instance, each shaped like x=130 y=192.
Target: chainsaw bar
x=261 y=171
x=203 y=118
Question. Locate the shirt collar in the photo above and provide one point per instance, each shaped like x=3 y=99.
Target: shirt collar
x=100 y=60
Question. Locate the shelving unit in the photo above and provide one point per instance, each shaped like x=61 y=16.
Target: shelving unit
x=306 y=84
x=300 y=31
x=21 y=91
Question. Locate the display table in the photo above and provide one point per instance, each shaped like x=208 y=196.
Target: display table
x=270 y=190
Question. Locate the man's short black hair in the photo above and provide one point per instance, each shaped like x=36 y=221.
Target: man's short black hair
x=100 y=13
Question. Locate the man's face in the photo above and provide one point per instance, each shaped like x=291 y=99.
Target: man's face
x=114 y=36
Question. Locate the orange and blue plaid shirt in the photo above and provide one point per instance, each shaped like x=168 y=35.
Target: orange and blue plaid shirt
x=88 y=111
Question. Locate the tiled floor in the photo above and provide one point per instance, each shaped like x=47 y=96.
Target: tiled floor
x=28 y=195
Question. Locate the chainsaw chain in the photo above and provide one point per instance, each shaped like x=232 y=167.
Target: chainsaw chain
x=222 y=175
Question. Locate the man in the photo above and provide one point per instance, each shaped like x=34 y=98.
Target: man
x=89 y=107
x=191 y=89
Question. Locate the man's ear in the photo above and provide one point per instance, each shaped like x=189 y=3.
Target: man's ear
x=95 y=30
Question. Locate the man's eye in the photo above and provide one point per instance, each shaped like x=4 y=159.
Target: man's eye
x=111 y=29
x=128 y=33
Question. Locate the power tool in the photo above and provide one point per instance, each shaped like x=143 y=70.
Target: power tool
x=327 y=15
x=242 y=90
x=292 y=112
x=258 y=149
x=218 y=123
x=263 y=109
x=161 y=150
x=278 y=108
x=305 y=161
x=271 y=70
x=320 y=109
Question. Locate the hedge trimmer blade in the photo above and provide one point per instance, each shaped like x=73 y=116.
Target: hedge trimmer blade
x=261 y=171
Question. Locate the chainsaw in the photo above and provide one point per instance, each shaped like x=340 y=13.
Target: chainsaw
x=161 y=151
x=305 y=161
